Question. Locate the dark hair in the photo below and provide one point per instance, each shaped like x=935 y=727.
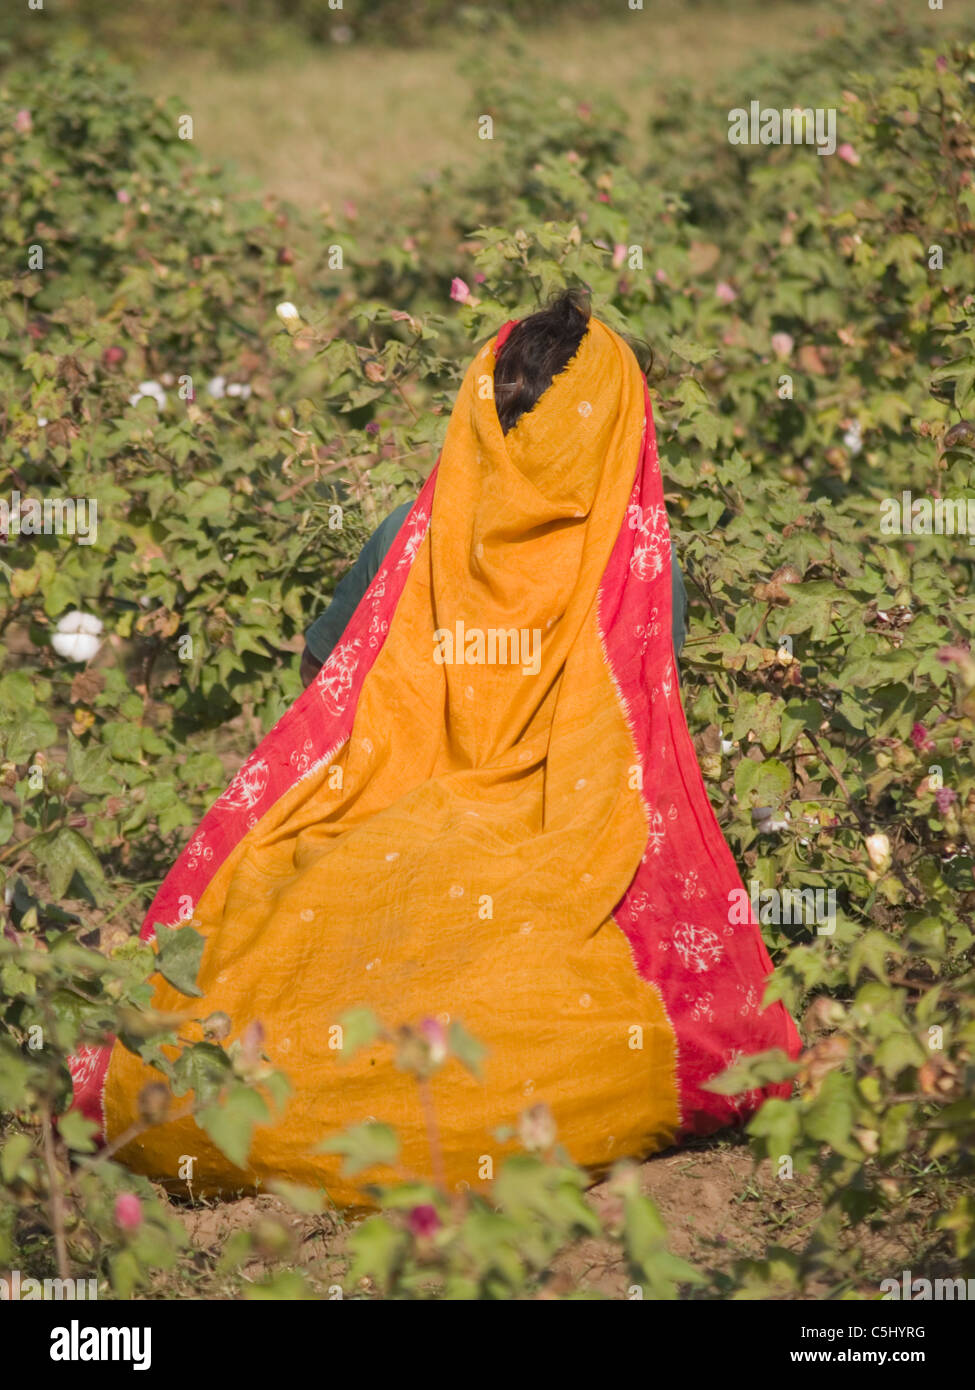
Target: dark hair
x=536 y=350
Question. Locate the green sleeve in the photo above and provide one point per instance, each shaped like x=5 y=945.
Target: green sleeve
x=327 y=629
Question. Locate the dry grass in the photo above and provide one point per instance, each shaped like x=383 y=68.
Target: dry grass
x=327 y=125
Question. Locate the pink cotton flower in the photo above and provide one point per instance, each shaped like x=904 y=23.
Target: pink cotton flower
x=23 y=124
x=725 y=292
x=945 y=798
x=619 y=254
x=921 y=739
x=128 y=1211
x=604 y=197
x=459 y=290
x=436 y=1039
x=122 y=196
x=782 y=345
x=252 y=1042
x=848 y=154
x=423 y=1220
x=941 y=63
x=660 y=276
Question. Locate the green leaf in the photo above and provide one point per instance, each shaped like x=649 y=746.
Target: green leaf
x=644 y=1238
x=377 y=1249
x=124 y=742
x=303 y=1199
x=870 y=953
x=202 y=1068
x=765 y=783
x=829 y=1118
x=30 y=734
x=761 y=1069
x=77 y=1132
x=368 y=1145
x=90 y=768
x=124 y=1273
x=62 y=854
x=179 y=956
x=360 y=1027
x=961 y=1221
x=230 y=1123
x=777 y=1123
x=13 y=1155
x=897 y=1052
x=798 y=716
x=691 y=352
x=466 y=1048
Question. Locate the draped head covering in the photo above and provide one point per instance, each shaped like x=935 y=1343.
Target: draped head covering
x=486 y=808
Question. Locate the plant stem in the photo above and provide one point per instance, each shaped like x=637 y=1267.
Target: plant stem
x=54 y=1189
x=433 y=1134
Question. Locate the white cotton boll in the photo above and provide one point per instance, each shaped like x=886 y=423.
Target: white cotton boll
x=726 y=743
x=289 y=316
x=42 y=420
x=75 y=646
x=152 y=390
x=878 y=851
x=853 y=439
x=216 y=387
x=77 y=636
x=77 y=621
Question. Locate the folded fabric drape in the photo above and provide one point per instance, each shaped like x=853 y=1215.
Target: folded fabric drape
x=486 y=807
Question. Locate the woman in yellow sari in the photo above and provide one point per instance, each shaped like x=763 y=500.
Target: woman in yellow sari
x=485 y=807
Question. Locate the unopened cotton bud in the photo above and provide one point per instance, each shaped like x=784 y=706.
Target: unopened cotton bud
x=153 y=1102
x=289 y=316
x=128 y=1211
x=436 y=1037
